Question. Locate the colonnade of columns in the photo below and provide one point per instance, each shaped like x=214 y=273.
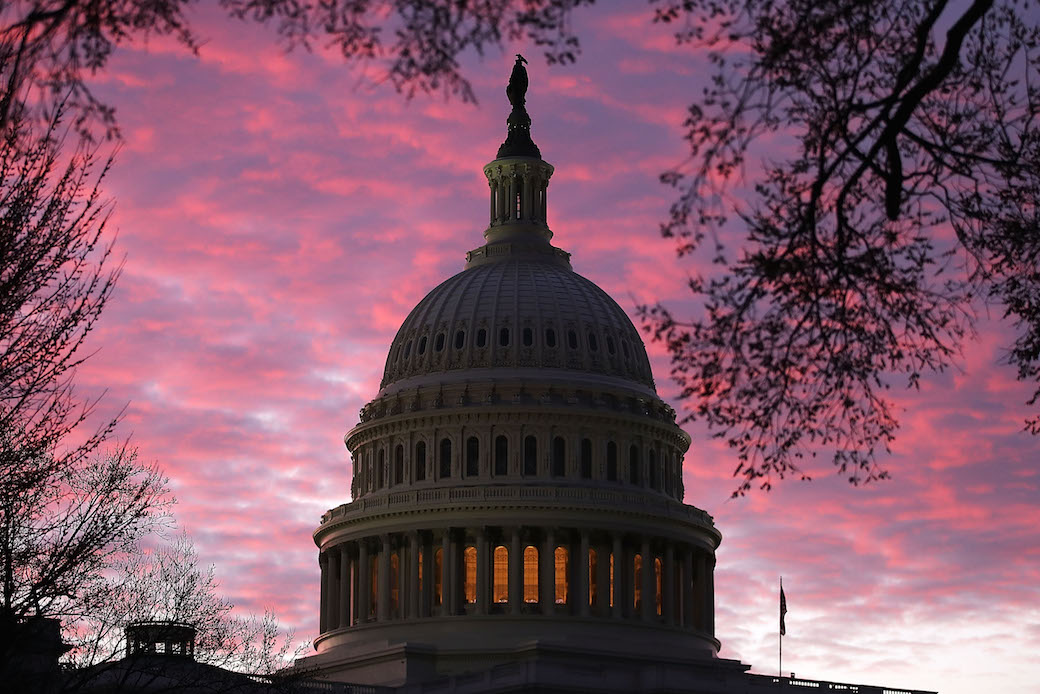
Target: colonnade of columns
x=516 y=570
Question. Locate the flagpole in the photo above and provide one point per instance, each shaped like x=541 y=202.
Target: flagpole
x=780 y=664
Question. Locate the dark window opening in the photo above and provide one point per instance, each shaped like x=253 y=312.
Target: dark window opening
x=408 y=349
x=420 y=461
x=550 y=337
x=399 y=464
x=481 y=337
x=610 y=345
x=445 y=462
x=438 y=343
x=422 y=345
x=572 y=339
x=528 y=337
x=460 y=339
x=612 y=462
x=472 y=457
x=503 y=337
x=559 y=457
x=586 y=459
x=633 y=464
x=530 y=456
x=501 y=456
x=592 y=343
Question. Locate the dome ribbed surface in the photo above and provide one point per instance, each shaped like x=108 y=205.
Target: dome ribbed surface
x=521 y=312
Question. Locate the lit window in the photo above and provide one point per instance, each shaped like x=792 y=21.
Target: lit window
x=469 y=559
x=395 y=583
x=637 y=580
x=438 y=575
x=593 y=579
x=657 y=583
x=501 y=574
x=530 y=574
x=561 y=560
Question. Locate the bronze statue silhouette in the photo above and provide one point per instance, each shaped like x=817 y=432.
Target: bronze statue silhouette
x=518 y=138
x=516 y=90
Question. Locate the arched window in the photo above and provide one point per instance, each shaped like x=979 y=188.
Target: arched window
x=528 y=337
x=611 y=461
x=657 y=584
x=652 y=456
x=559 y=457
x=530 y=574
x=469 y=585
x=460 y=339
x=422 y=345
x=500 y=571
x=530 y=456
x=420 y=461
x=438 y=576
x=481 y=337
x=633 y=464
x=637 y=582
x=572 y=339
x=593 y=345
x=395 y=583
x=593 y=580
x=445 y=461
x=380 y=469
x=472 y=457
x=610 y=345
x=562 y=560
x=438 y=343
x=550 y=337
x=503 y=337
x=586 y=459
x=501 y=455
x=399 y=464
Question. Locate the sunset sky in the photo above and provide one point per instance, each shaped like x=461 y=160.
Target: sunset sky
x=280 y=215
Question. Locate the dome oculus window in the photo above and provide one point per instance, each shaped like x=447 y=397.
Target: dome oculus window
x=460 y=339
x=482 y=338
x=610 y=345
x=550 y=337
x=572 y=339
x=593 y=344
x=408 y=349
x=503 y=337
x=422 y=345
x=528 y=337
x=438 y=342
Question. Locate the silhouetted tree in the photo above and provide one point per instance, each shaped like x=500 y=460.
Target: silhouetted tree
x=901 y=188
x=49 y=47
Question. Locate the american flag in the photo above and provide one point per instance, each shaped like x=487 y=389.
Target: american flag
x=783 y=611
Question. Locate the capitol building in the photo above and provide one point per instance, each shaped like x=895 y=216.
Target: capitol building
x=517 y=519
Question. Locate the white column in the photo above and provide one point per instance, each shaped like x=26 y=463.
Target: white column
x=547 y=582
x=323 y=608
x=414 y=595
x=618 y=610
x=364 y=584
x=516 y=572
x=668 y=585
x=649 y=593
x=482 y=571
x=383 y=604
x=332 y=617
x=344 y=589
